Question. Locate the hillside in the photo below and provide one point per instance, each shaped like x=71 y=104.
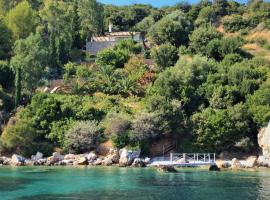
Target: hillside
x=195 y=77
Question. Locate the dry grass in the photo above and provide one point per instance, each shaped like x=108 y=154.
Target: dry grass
x=255 y=35
x=256 y=50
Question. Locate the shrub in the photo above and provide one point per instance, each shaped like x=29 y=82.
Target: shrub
x=147 y=126
x=116 y=58
x=84 y=136
x=235 y=23
x=165 y=55
x=118 y=126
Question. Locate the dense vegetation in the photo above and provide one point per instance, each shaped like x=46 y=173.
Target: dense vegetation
x=194 y=78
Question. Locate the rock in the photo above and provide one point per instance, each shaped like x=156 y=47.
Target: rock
x=42 y=161
x=138 y=162
x=114 y=155
x=250 y=162
x=222 y=164
x=263 y=162
x=127 y=157
x=236 y=164
x=17 y=160
x=92 y=157
x=264 y=142
x=81 y=161
x=70 y=157
x=147 y=160
x=165 y=168
x=37 y=156
x=107 y=161
x=98 y=161
x=29 y=162
x=56 y=157
x=6 y=161
x=214 y=168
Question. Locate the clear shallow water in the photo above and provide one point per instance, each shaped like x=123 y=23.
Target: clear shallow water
x=48 y=183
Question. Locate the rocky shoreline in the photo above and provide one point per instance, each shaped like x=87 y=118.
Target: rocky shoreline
x=125 y=158
x=122 y=158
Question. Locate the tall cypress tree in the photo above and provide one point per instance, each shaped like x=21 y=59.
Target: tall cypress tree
x=18 y=86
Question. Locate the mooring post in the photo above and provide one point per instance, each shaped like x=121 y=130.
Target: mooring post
x=209 y=158
x=171 y=157
x=194 y=158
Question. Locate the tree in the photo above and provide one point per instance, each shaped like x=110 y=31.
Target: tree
x=83 y=136
x=58 y=18
x=218 y=130
x=5 y=40
x=6 y=75
x=29 y=63
x=206 y=15
x=173 y=28
x=259 y=104
x=91 y=17
x=165 y=55
x=22 y=20
x=201 y=36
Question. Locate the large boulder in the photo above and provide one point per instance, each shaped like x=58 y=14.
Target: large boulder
x=263 y=161
x=99 y=161
x=138 y=162
x=17 y=160
x=236 y=164
x=223 y=164
x=264 y=142
x=70 y=157
x=81 y=161
x=56 y=157
x=250 y=162
x=37 y=156
x=92 y=156
x=127 y=157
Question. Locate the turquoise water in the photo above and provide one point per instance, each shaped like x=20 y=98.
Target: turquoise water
x=47 y=183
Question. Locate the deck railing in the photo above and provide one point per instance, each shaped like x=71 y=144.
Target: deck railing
x=193 y=157
x=190 y=158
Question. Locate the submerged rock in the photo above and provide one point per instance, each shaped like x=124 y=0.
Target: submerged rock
x=214 y=168
x=166 y=168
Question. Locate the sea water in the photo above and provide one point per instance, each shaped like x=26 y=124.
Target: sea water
x=112 y=183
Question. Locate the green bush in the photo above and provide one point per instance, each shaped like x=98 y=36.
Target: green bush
x=165 y=55
x=116 y=58
x=235 y=23
x=83 y=136
x=118 y=127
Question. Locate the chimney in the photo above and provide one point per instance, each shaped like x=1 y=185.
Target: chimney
x=110 y=27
